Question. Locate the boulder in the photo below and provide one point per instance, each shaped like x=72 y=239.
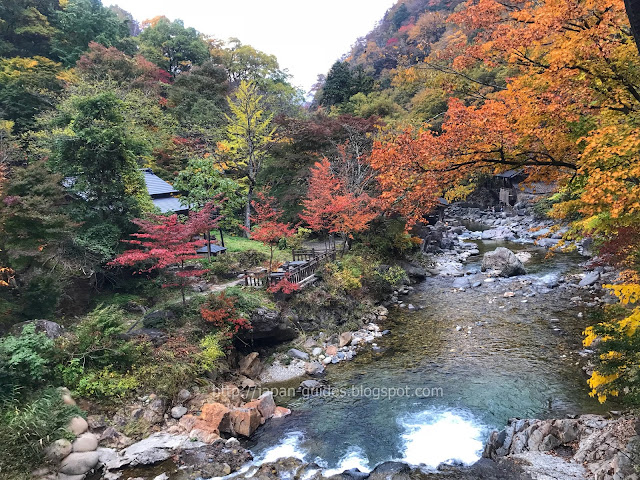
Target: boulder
x=87 y=442
x=216 y=460
x=79 y=463
x=344 y=339
x=461 y=282
x=589 y=279
x=153 y=449
x=265 y=404
x=505 y=261
x=309 y=386
x=178 y=412
x=58 y=450
x=78 y=425
x=184 y=395
x=300 y=355
x=250 y=366
x=97 y=422
x=62 y=476
x=331 y=350
x=50 y=329
x=314 y=368
x=154 y=413
x=281 y=412
x=269 y=327
x=215 y=418
x=158 y=318
x=244 y=421
x=114 y=439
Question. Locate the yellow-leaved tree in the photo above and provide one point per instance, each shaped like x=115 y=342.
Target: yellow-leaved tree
x=617 y=342
x=249 y=135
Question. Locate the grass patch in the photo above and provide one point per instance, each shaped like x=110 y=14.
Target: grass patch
x=250 y=299
x=242 y=244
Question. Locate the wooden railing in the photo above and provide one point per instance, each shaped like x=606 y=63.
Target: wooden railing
x=312 y=261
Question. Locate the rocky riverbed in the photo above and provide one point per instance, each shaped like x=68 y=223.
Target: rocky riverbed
x=493 y=333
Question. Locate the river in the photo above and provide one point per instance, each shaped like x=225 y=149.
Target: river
x=453 y=384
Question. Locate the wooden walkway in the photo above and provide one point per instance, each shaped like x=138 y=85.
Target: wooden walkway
x=299 y=271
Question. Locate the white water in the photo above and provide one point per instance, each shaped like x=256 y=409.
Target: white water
x=289 y=447
x=354 y=458
x=433 y=437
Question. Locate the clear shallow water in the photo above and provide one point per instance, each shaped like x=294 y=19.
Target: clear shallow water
x=451 y=387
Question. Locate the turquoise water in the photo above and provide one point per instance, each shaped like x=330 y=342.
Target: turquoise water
x=452 y=386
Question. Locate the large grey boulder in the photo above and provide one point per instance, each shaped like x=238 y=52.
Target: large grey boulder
x=269 y=327
x=87 y=442
x=79 y=463
x=503 y=260
x=50 y=329
x=156 y=448
x=589 y=279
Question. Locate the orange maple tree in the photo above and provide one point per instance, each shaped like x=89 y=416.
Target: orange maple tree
x=330 y=206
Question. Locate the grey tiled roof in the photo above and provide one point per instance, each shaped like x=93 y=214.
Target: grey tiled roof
x=169 y=204
x=214 y=249
x=155 y=185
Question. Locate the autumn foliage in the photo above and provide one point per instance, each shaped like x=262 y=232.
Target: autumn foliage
x=267 y=227
x=219 y=311
x=284 y=286
x=330 y=206
x=166 y=243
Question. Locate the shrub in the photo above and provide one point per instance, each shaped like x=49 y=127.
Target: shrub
x=41 y=297
x=25 y=361
x=26 y=428
x=211 y=353
x=220 y=311
x=384 y=280
x=106 y=384
x=99 y=341
x=247 y=300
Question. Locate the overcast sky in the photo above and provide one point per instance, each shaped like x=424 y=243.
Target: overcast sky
x=306 y=36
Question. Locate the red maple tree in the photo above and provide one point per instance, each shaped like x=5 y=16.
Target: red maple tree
x=285 y=286
x=268 y=228
x=166 y=243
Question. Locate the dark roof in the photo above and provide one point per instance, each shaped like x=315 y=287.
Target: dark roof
x=169 y=204
x=442 y=201
x=214 y=249
x=155 y=185
x=509 y=173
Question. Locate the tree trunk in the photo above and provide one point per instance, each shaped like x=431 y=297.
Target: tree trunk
x=633 y=12
x=208 y=238
x=247 y=212
x=221 y=236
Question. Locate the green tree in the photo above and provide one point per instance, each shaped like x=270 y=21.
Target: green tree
x=198 y=98
x=202 y=182
x=243 y=62
x=249 y=135
x=93 y=148
x=337 y=86
x=25 y=27
x=28 y=86
x=83 y=21
x=33 y=221
x=171 y=46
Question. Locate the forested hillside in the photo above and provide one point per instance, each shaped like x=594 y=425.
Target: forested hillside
x=472 y=89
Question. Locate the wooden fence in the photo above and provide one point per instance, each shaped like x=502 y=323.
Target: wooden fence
x=296 y=274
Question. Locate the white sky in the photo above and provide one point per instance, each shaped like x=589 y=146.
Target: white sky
x=306 y=36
